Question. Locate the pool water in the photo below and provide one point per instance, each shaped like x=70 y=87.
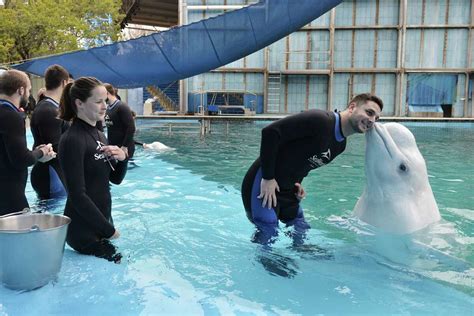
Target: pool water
x=188 y=250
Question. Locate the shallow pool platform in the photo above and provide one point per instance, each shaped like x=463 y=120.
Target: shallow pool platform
x=269 y=117
x=202 y=123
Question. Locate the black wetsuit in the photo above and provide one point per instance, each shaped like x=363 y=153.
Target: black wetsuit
x=87 y=173
x=100 y=126
x=290 y=149
x=14 y=159
x=120 y=126
x=47 y=178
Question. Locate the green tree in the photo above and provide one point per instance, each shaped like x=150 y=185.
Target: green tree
x=43 y=27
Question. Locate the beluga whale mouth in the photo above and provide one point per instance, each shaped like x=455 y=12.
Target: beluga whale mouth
x=397 y=197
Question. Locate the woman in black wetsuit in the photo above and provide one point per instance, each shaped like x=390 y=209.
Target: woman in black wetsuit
x=88 y=164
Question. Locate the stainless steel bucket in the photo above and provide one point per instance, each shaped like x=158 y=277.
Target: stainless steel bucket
x=31 y=249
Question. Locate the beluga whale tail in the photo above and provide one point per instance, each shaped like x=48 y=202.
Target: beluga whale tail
x=397 y=197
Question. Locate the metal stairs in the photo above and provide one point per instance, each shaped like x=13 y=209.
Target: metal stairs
x=273 y=94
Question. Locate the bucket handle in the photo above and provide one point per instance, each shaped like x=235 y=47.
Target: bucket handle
x=22 y=212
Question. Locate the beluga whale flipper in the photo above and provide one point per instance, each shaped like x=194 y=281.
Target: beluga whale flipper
x=397 y=197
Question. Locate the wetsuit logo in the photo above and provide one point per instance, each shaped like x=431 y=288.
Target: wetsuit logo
x=100 y=156
x=320 y=160
x=108 y=121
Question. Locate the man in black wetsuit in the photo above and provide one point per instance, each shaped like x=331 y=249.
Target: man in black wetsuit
x=15 y=157
x=120 y=123
x=47 y=178
x=290 y=149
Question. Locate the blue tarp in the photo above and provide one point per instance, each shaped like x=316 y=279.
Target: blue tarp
x=431 y=89
x=425 y=108
x=188 y=50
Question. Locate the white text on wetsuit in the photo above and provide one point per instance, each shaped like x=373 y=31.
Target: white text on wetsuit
x=320 y=160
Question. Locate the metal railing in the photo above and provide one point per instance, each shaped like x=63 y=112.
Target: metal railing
x=306 y=59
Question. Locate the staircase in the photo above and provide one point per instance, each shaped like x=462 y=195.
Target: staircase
x=273 y=95
x=167 y=96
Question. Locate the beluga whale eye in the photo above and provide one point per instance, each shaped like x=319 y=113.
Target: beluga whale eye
x=403 y=167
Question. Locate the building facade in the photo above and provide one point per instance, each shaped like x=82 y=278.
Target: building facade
x=415 y=54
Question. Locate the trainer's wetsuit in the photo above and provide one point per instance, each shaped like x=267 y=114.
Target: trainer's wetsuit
x=290 y=149
x=88 y=172
x=120 y=126
x=14 y=159
x=47 y=178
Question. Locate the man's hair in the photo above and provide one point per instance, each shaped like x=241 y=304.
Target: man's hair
x=363 y=98
x=12 y=80
x=110 y=89
x=54 y=76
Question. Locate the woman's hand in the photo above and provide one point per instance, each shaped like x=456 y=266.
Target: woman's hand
x=115 y=235
x=125 y=150
x=114 y=152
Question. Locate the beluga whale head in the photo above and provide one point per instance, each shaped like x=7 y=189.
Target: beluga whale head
x=397 y=197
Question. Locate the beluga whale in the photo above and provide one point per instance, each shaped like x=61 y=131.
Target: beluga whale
x=157 y=146
x=397 y=197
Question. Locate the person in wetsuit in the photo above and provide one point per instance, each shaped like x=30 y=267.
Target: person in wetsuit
x=46 y=126
x=89 y=164
x=15 y=157
x=290 y=149
x=120 y=123
x=30 y=107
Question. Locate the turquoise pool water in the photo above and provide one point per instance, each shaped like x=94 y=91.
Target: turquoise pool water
x=187 y=248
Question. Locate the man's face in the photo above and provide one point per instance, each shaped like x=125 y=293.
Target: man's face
x=108 y=100
x=25 y=94
x=363 y=116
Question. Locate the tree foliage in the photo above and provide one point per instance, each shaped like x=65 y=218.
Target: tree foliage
x=43 y=27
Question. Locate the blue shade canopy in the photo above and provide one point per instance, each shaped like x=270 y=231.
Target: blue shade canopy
x=188 y=50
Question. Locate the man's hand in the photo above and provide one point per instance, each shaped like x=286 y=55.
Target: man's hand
x=268 y=190
x=300 y=192
x=48 y=152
